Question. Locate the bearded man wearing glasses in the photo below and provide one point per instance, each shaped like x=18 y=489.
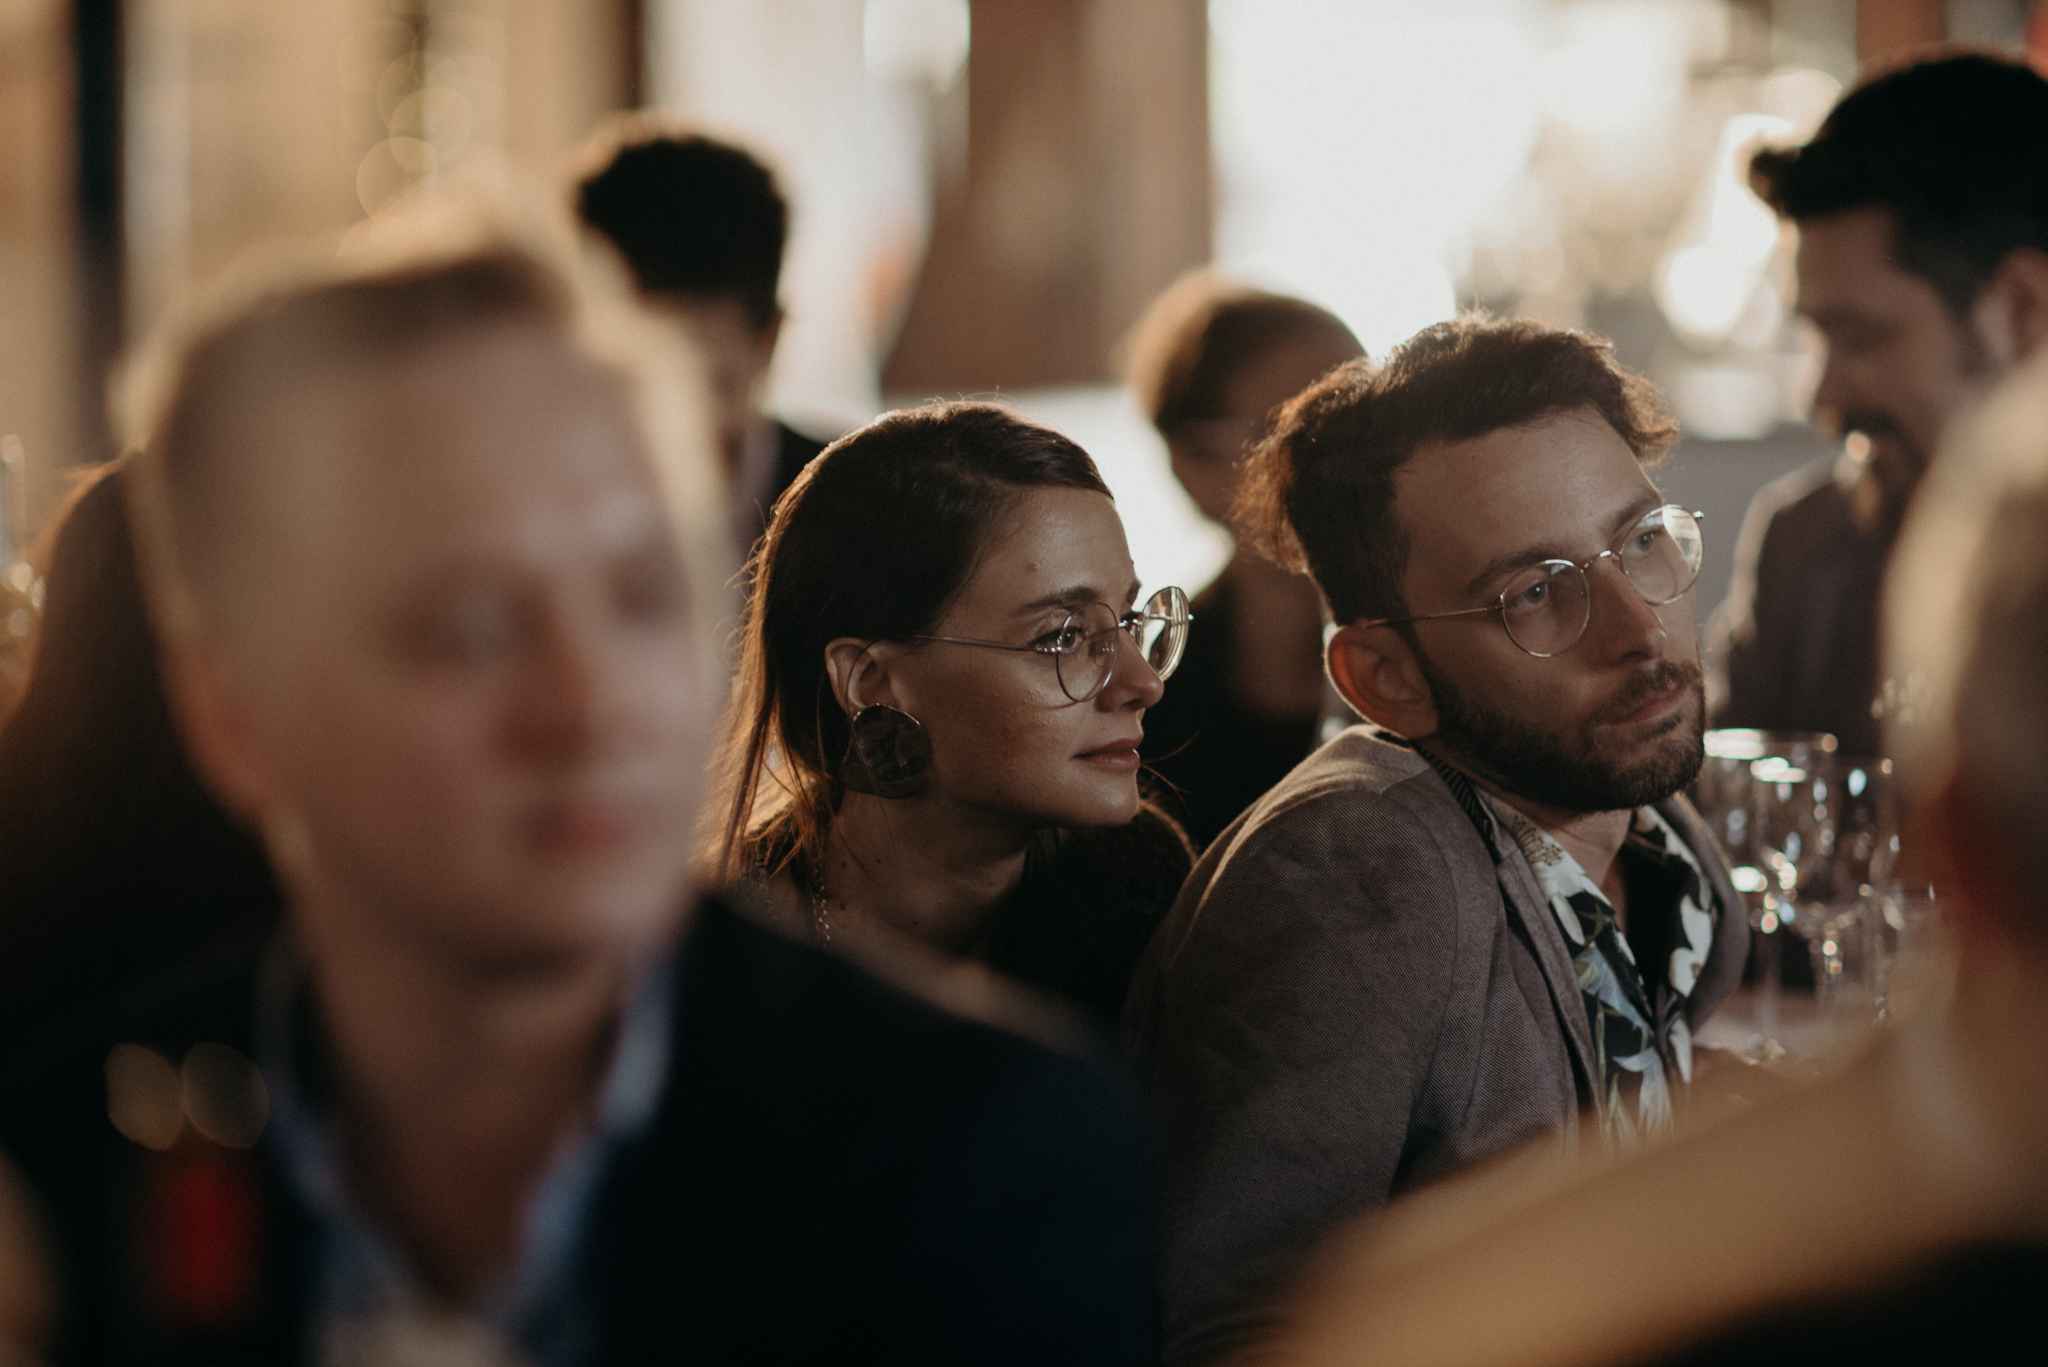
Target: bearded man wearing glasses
x=1486 y=910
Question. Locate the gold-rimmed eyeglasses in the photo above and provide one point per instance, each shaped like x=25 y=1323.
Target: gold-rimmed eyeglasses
x=1546 y=606
x=1084 y=645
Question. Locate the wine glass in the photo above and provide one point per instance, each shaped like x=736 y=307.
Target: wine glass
x=1723 y=792
x=1792 y=821
x=1868 y=824
x=1729 y=794
x=1845 y=922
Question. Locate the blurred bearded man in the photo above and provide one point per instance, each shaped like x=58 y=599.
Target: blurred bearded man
x=1922 y=208
x=1486 y=910
x=437 y=559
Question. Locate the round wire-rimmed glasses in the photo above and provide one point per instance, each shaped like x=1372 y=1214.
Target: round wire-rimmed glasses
x=1546 y=606
x=1084 y=645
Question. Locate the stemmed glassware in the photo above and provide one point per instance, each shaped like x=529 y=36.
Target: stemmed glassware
x=1813 y=842
x=1766 y=795
x=1843 y=925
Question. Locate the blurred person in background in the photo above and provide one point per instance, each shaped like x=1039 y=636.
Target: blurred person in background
x=944 y=676
x=436 y=551
x=1922 y=209
x=701 y=225
x=1210 y=360
x=122 y=874
x=1896 y=1213
x=1488 y=909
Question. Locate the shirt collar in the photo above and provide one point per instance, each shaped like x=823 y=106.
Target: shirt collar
x=364 y=1286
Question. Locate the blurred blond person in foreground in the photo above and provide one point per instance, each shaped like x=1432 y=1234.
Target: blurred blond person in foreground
x=435 y=546
x=1898 y=1212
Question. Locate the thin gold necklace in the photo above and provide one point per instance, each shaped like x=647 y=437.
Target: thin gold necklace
x=821 y=920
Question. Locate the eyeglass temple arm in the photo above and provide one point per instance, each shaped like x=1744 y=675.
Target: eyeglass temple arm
x=977 y=641
x=1431 y=617
x=1697 y=515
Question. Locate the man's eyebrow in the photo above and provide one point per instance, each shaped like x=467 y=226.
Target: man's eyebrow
x=1536 y=555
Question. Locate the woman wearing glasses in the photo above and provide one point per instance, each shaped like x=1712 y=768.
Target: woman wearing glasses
x=943 y=679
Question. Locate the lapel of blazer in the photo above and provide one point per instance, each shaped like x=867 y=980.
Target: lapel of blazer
x=1530 y=910
x=1529 y=915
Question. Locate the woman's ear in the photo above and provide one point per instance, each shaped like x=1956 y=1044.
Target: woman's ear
x=859 y=671
x=1376 y=671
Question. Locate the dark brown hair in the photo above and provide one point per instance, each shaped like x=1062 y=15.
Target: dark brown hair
x=692 y=216
x=1319 y=490
x=1954 y=146
x=119 y=866
x=1205 y=329
x=872 y=541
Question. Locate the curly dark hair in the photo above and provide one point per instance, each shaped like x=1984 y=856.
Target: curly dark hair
x=120 y=867
x=1318 y=493
x=1954 y=146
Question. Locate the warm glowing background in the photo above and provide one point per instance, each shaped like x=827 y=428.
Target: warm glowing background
x=987 y=193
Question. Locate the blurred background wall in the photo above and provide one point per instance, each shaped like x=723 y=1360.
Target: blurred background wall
x=987 y=192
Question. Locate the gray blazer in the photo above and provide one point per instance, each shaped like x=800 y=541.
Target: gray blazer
x=1349 y=998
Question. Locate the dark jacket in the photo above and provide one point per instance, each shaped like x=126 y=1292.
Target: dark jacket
x=793 y=451
x=1795 y=649
x=1353 y=996
x=839 y=1171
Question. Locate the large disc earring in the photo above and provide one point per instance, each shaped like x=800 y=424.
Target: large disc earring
x=889 y=754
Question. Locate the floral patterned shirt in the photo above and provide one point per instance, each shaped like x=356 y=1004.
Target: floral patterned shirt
x=1642 y=1042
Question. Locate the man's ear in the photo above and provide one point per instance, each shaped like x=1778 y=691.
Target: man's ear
x=859 y=671
x=2011 y=312
x=218 y=732
x=764 y=350
x=1376 y=671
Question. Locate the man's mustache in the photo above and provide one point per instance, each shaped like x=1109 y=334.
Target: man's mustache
x=1654 y=682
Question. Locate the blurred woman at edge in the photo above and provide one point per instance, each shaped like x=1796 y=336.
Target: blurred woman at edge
x=943 y=679
x=1209 y=361
x=119 y=868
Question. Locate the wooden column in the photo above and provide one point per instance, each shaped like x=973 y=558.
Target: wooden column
x=1085 y=191
x=1887 y=30
x=41 y=350
x=253 y=120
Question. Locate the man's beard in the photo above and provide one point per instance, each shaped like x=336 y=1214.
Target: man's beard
x=1897 y=461
x=1562 y=771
